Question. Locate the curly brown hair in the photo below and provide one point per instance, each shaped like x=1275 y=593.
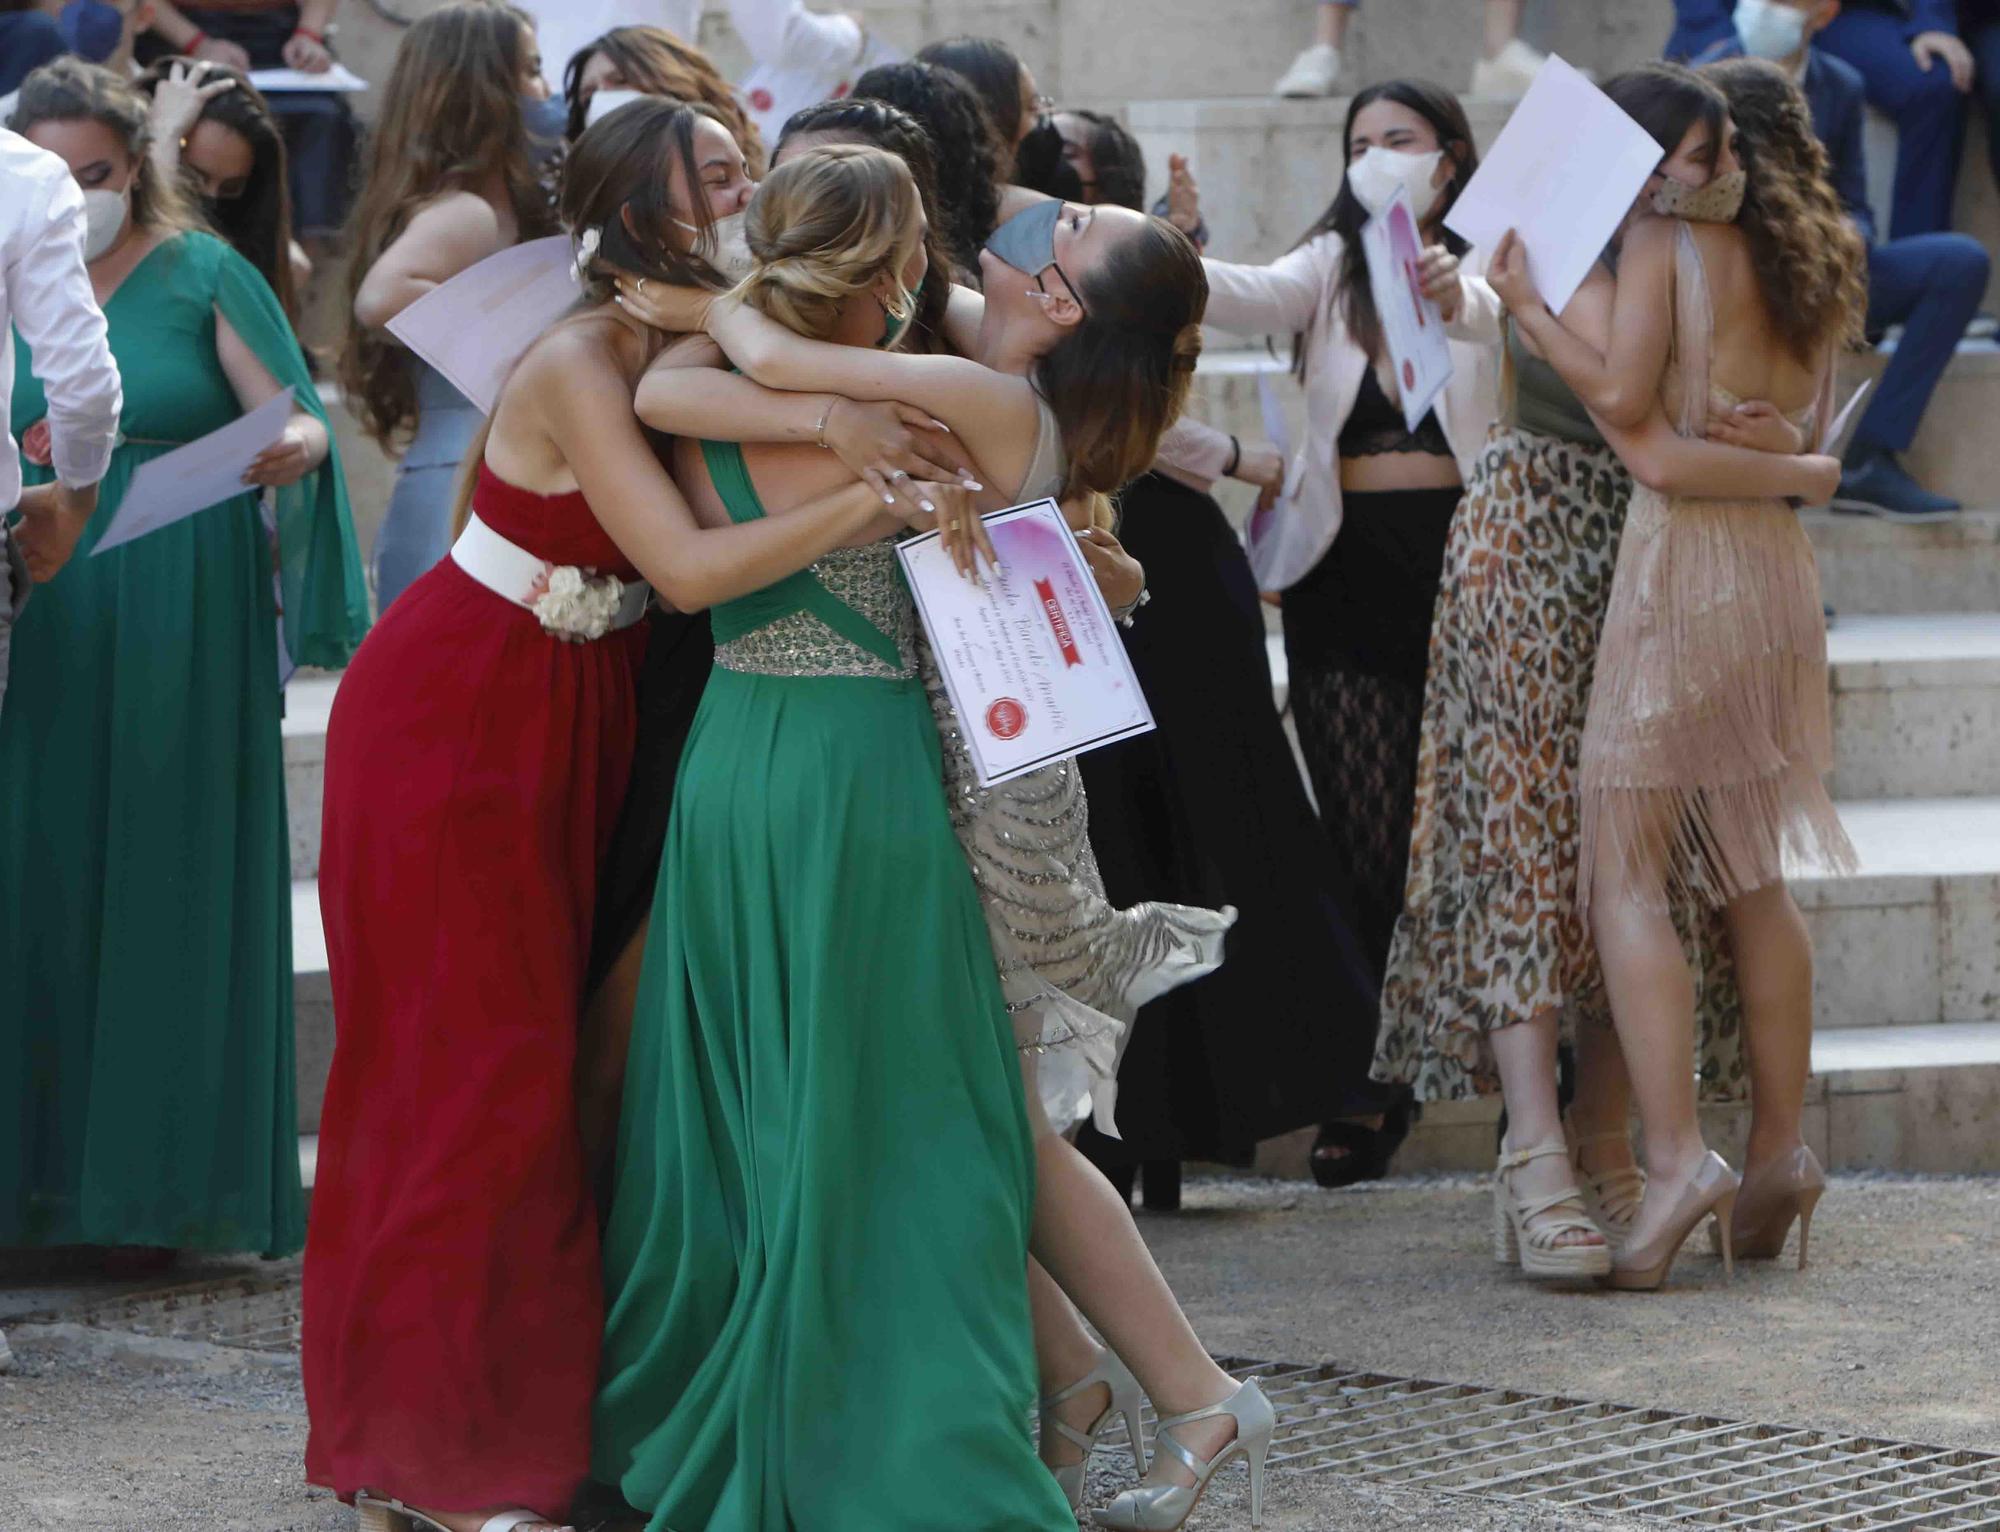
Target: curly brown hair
x=1811 y=261
x=451 y=116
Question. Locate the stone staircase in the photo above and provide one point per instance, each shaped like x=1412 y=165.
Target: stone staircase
x=1907 y=1061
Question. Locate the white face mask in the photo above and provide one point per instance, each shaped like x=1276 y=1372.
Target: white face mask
x=732 y=257
x=1375 y=176
x=605 y=102
x=1768 y=30
x=104 y=216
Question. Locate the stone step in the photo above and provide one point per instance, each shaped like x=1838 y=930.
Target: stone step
x=1909 y=938
x=312 y=1003
x=1916 y=705
x=308 y=702
x=1907 y=1099
x=1871 y=566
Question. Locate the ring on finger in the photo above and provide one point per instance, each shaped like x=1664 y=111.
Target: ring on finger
x=641 y=289
x=900 y=473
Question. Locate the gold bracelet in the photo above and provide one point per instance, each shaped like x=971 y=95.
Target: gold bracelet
x=825 y=416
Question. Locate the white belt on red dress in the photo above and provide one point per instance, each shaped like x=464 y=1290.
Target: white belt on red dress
x=569 y=602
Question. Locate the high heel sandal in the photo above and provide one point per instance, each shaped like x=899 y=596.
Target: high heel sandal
x=1766 y=1203
x=1612 y=1199
x=376 y=1514
x=1127 y=1398
x=1538 y=1250
x=1712 y=1190
x=1165 y=1507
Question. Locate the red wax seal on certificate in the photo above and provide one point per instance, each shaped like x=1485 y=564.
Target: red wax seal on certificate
x=1006 y=719
x=1409 y=376
x=760 y=98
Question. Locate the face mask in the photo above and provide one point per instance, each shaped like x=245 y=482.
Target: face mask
x=1374 y=177
x=1039 y=164
x=898 y=324
x=91 y=29
x=605 y=102
x=1717 y=202
x=104 y=216
x=732 y=258
x=1768 y=30
x=1027 y=241
x=546 y=119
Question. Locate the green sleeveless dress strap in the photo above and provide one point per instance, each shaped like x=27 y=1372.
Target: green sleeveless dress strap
x=801 y=592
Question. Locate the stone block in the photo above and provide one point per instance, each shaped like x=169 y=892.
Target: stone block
x=1866 y=565
x=1916 y=706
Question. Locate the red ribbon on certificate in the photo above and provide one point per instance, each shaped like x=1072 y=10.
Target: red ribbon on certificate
x=1058 y=623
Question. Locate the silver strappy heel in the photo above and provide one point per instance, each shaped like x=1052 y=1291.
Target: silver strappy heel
x=372 y=1513
x=1127 y=1398
x=1165 y=1507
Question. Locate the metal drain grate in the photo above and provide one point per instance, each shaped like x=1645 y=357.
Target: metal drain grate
x=1650 y=1464
x=249 y=1313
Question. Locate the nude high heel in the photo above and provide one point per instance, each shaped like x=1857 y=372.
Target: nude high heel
x=1788 y=1187
x=1539 y=1250
x=1166 y=1507
x=1614 y=1198
x=1127 y=1398
x=1642 y=1267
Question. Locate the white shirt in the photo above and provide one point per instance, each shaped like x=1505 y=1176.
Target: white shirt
x=45 y=294
x=799 y=58
x=564 y=27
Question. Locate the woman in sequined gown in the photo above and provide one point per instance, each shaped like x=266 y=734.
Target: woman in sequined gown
x=1076 y=414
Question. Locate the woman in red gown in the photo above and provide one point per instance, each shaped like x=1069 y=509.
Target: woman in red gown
x=476 y=760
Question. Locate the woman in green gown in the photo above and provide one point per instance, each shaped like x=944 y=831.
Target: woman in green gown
x=817 y=1244
x=146 y=1071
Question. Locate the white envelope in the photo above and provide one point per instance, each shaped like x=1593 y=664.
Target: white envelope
x=475 y=327
x=1032 y=658
x=206 y=472
x=339 y=79
x=1562 y=174
x=1412 y=327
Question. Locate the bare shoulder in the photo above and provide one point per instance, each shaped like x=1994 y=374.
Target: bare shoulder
x=460 y=221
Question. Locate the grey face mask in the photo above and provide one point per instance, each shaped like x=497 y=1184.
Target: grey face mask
x=1027 y=242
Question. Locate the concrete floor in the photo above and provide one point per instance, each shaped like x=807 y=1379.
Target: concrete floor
x=1894 y=1331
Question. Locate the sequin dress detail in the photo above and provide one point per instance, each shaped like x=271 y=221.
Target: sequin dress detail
x=1710 y=723
x=1075 y=970
x=824 y=1172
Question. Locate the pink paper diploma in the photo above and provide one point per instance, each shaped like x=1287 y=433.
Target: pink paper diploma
x=1032 y=660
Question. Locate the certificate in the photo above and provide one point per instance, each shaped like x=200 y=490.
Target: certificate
x=1033 y=660
x=474 y=328
x=339 y=80
x=1412 y=327
x=206 y=472
x=1562 y=174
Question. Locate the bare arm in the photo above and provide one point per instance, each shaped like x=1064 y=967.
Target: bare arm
x=303 y=446
x=1618 y=381
x=446 y=236
x=585 y=405
x=1662 y=459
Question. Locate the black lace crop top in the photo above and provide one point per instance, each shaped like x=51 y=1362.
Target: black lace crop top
x=1375 y=426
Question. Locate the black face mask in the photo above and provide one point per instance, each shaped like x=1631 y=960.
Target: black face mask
x=1039 y=164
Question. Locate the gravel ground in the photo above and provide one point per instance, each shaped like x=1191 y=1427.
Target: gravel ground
x=1894 y=1331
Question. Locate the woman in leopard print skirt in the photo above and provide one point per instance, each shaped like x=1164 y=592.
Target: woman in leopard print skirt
x=1491 y=954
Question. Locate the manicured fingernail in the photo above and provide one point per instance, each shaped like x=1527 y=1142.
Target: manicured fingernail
x=928 y=506
x=972 y=484
x=888 y=499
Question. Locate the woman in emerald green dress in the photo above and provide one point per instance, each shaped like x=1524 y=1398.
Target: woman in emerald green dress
x=146 y=1013
x=816 y=1251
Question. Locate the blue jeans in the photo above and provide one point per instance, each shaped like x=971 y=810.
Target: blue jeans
x=1931 y=285
x=1928 y=110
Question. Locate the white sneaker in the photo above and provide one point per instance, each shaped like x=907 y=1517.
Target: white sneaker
x=1313 y=73
x=1508 y=77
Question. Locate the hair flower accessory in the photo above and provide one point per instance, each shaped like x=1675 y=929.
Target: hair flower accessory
x=586 y=254
x=576 y=606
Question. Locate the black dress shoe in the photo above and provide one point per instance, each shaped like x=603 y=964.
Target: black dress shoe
x=1874 y=484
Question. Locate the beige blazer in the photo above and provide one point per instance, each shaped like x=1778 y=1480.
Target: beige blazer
x=1296 y=293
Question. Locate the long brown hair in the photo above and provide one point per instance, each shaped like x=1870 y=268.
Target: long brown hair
x=1809 y=259
x=1345 y=215
x=69 y=90
x=451 y=117
x=654 y=61
x=259 y=222
x=1119 y=378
